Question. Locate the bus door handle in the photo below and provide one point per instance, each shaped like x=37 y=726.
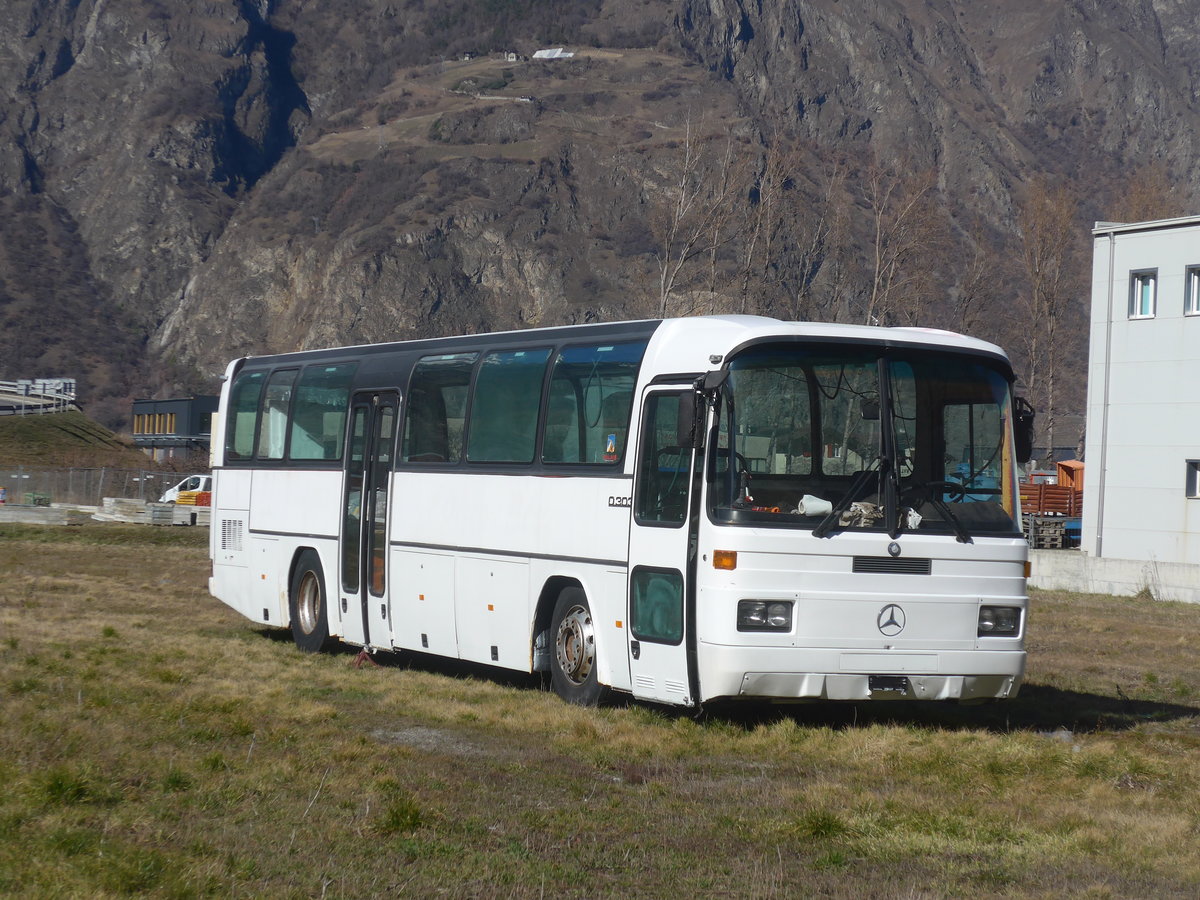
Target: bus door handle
x=635 y=647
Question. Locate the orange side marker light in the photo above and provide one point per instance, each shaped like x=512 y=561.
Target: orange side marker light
x=725 y=559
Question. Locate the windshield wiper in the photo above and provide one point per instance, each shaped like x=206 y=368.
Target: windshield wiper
x=831 y=518
x=960 y=531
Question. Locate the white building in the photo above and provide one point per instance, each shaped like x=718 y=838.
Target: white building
x=1141 y=514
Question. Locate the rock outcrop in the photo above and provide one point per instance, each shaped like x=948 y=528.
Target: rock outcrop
x=192 y=181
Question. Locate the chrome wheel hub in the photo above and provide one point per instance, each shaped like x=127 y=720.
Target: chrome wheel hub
x=575 y=644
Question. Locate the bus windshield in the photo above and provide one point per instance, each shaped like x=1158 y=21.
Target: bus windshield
x=832 y=437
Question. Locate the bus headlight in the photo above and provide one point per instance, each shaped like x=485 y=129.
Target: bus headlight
x=764 y=615
x=999 y=621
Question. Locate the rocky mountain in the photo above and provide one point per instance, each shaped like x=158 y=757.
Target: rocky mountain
x=189 y=180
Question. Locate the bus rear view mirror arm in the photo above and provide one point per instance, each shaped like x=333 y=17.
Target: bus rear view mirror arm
x=1023 y=416
x=690 y=425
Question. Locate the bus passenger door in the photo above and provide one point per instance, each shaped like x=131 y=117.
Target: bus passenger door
x=660 y=624
x=365 y=607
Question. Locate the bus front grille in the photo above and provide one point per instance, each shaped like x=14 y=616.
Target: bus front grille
x=887 y=565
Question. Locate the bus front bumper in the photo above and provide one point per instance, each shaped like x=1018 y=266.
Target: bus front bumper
x=859 y=674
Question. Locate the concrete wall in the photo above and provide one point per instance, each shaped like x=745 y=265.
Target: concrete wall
x=1069 y=570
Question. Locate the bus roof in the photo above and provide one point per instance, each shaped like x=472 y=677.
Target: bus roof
x=687 y=344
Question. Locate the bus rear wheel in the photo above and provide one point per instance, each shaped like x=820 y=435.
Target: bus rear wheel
x=307 y=606
x=573 y=661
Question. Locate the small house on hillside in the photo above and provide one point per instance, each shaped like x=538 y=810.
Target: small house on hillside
x=1142 y=500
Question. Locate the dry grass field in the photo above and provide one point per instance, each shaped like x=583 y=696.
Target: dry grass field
x=152 y=742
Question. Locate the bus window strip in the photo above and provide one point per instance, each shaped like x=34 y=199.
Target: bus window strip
x=407 y=367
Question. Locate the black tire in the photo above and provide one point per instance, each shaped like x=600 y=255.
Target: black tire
x=573 y=650
x=307 y=604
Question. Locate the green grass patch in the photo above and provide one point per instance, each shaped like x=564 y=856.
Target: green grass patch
x=108 y=534
x=156 y=743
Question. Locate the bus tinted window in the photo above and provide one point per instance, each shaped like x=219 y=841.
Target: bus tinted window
x=504 y=411
x=274 y=416
x=591 y=393
x=319 y=413
x=243 y=412
x=436 y=408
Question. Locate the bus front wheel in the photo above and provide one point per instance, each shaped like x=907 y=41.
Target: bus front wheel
x=306 y=603
x=573 y=662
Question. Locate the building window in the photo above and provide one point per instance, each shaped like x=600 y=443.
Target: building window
x=1193 y=479
x=1191 y=288
x=1142 y=291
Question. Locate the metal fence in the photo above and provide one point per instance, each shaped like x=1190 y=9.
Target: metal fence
x=83 y=487
x=25 y=398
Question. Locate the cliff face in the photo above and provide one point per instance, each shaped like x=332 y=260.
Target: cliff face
x=191 y=181
x=990 y=93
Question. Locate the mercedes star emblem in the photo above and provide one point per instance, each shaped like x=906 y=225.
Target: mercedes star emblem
x=891 y=620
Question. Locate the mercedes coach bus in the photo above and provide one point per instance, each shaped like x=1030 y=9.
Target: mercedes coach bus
x=681 y=510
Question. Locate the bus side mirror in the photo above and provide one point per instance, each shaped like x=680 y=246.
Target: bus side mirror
x=1023 y=416
x=689 y=427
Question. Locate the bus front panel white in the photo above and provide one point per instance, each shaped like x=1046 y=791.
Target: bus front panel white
x=911 y=623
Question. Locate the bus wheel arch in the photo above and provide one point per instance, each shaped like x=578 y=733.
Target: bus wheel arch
x=543 y=645
x=574 y=666
x=308 y=602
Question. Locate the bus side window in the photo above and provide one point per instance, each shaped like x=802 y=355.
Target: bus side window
x=505 y=406
x=561 y=442
x=276 y=401
x=591 y=394
x=242 y=415
x=436 y=407
x=319 y=412
x=664 y=467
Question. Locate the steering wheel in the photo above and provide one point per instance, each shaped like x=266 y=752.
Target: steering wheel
x=956 y=491
x=742 y=465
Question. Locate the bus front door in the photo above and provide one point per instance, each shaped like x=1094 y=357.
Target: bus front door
x=365 y=608
x=660 y=617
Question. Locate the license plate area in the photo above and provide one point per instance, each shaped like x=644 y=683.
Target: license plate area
x=888 y=684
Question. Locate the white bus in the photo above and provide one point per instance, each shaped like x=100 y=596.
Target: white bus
x=682 y=510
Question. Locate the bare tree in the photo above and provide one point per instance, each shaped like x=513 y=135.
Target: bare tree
x=906 y=235
x=823 y=250
x=978 y=288
x=1051 y=255
x=1147 y=195
x=765 y=217
x=695 y=219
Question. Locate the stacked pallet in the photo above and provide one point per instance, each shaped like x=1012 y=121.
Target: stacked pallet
x=42 y=515
x=191 y=515
x=1045 y=532
x=136 y=512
